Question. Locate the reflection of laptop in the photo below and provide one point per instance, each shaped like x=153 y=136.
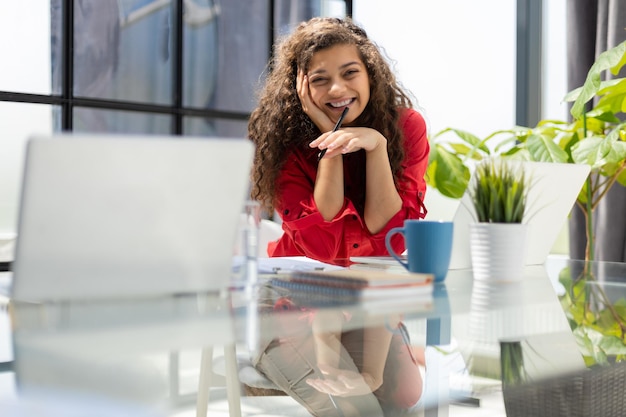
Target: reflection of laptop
x=128 y=215
x=551 y=197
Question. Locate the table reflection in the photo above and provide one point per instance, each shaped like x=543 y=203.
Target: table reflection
x=332 y=357
x=124 y=353
x=339 y=361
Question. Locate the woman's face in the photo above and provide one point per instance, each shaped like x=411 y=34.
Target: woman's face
x=338 y=78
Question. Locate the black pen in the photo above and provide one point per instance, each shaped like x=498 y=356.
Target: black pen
x=337 y=126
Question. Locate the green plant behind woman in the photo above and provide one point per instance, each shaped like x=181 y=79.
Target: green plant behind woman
x=596 y=137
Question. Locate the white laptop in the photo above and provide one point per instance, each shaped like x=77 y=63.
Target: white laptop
x=555 y=187
x=113 y=215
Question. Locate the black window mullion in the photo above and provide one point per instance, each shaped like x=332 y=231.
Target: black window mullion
x=528 y=62
x=177 y=67
x=271 y=25
x=67 y=66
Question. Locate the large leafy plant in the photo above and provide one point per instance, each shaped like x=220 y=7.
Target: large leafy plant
x=595 y=136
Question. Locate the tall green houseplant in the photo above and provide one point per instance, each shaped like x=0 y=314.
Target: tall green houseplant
x=596 y=137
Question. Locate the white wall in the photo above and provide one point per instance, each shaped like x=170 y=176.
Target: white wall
x=25 y=52
x=457 y=57
x=554 y=58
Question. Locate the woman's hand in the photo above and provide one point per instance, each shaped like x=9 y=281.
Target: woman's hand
x=341 y=383
x=321 y=120
x=349 y=139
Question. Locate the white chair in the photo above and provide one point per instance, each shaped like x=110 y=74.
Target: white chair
x=236 y=368
x=269 y=231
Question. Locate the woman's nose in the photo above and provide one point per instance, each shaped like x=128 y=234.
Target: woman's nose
x=337 y=88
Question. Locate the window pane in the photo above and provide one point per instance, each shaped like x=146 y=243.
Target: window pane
x=230 y=81
x=198 y=126
x=19 y=122
x=114 y=121
x=25 y=46
x=122 y=50
x=200 y=56
x=288 y=13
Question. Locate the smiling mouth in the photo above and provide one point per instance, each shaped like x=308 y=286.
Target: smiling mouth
x=340 y=104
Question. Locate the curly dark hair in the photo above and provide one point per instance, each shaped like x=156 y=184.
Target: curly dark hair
x=279 y=124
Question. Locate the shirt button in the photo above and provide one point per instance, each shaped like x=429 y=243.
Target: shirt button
x=356 y=245
x=286 y=212
x=354 y=217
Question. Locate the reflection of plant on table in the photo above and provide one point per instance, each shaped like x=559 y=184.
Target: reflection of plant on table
x=512 y=362
x=598 y=323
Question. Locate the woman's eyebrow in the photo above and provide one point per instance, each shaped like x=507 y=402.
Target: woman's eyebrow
x=347 y=64
x=351 y=63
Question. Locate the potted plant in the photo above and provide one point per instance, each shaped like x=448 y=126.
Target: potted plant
x=499 y=194
x=595 y=137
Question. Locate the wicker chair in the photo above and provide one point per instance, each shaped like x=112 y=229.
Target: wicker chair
x=597 y=392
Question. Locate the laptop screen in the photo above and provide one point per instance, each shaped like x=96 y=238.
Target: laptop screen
x=110 y=215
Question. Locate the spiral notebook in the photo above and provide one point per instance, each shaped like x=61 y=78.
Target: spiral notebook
x=357 y=285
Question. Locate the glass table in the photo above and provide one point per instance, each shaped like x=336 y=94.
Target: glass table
x=161 y=356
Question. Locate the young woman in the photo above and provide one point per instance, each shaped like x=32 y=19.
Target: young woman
x=336 y=204
x=371 y=177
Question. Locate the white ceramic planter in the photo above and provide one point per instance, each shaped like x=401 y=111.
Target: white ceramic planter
x=498 y=251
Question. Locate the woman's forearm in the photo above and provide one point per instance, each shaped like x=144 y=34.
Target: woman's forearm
x=376 y=342
x=382 y=200
x=328 y=191
x=327 y=337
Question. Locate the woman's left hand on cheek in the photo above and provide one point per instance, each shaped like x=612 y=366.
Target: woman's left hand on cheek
x=318 y=117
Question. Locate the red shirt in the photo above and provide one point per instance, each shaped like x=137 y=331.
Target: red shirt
x=335 y=241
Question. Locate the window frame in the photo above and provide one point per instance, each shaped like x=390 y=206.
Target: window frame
x=68 y=101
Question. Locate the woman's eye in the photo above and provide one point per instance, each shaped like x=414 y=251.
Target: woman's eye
x=318 y=81
x=351 y=72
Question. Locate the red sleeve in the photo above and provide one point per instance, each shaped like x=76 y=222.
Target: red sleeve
x=306 y=231
x=412 y=185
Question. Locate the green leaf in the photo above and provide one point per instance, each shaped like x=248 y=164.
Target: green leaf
x=612 y=86
x=591 y=151
x=612 y=345
x=573 y=95
x=613 y=103
x=449 y=175
x=612 y=59
x=543 y=149
x=621 y=178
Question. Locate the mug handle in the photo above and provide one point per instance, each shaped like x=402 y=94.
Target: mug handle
x=394 y=231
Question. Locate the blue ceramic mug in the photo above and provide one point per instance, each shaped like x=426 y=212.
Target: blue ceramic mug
x=428 y=244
